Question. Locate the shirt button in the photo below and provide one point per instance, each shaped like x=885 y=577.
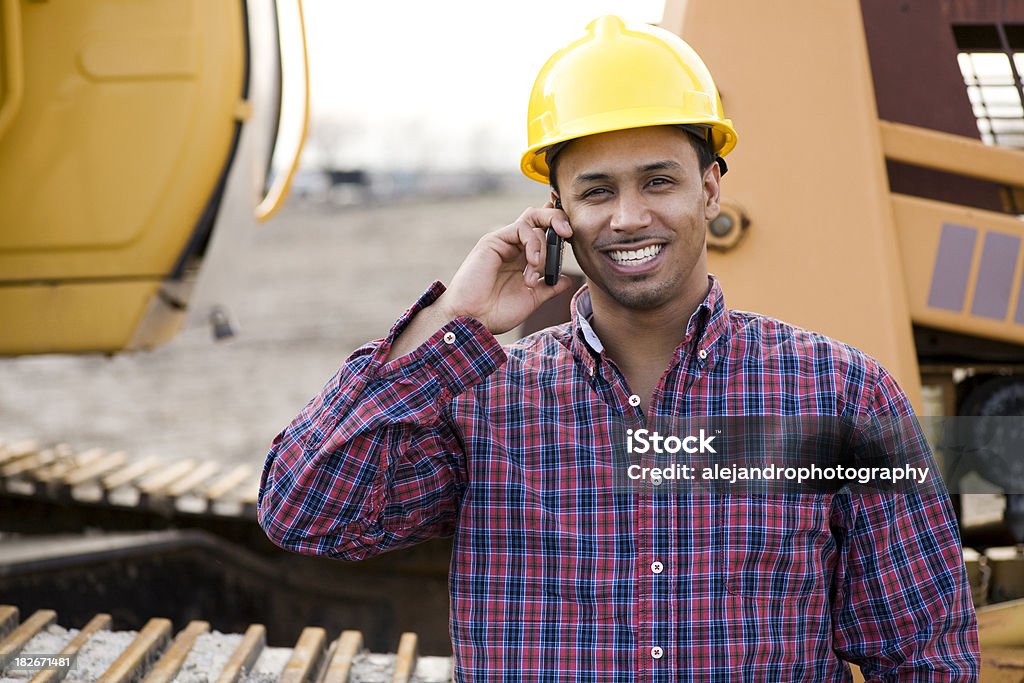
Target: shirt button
x=449 y=338
x=703 y=353
x=657 y=567
x=634 y=400
x=657 y=652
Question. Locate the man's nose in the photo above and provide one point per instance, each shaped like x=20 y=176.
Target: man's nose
x=631 y=212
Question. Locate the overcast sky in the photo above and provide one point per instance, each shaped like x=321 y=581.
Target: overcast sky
x=440 y=84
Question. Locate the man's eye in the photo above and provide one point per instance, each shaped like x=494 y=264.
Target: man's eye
x=596 y=192
x=660 y=181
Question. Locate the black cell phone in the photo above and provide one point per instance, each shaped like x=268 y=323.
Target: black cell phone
x=553 y=261
x=553 y=256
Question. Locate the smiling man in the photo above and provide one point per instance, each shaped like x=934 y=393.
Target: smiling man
x=559 y=572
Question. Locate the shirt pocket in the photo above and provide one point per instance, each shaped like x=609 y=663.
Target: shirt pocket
x=776 y=548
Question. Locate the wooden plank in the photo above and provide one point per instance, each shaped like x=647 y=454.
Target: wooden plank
x=167 y=668
x=64 y=465
x=405 y=663
x=136 y=658
x=130 y=473
x=25 y=465
x=245 y=655
x=346 y=647
x=308 y=652
x=158 y=482
x=228 y=481
x=100 y=622
x=21 y=449
x=96 y=469
x=193 y=479
x=8 y=620
x=250 y=493
x=12 y=644
x=249 y=497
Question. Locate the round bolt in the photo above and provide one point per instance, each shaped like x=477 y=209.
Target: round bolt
x=722 y=225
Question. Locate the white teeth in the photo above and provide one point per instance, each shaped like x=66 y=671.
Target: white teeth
x=635 y=257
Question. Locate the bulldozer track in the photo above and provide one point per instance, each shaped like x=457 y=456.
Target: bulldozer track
x=100 y=478
x=155 y=654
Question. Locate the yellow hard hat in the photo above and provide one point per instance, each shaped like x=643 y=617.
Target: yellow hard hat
x=620 y=76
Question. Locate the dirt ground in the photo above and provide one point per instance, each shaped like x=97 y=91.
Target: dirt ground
x=316 y=283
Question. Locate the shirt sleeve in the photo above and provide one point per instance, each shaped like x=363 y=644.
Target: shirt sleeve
x=902 y=608
x=375 y=462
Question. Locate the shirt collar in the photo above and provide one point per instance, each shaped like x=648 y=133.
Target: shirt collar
x=707 y=324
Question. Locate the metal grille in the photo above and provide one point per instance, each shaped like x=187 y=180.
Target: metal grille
x=991 y=60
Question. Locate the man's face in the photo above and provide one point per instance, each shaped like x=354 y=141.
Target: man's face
x=638 y=205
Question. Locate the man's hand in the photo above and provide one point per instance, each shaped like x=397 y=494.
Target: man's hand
x=500 y=283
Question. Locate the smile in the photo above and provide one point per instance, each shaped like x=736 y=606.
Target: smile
x=635 y=257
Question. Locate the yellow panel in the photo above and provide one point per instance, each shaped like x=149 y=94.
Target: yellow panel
x=821 y=250
x=952 y=153
x=1001 y=625
x=118 y=57
x=126 y=124
x=919 y=225
x=72 y=318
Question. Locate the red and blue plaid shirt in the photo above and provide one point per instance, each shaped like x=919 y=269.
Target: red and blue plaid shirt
x=559 y=574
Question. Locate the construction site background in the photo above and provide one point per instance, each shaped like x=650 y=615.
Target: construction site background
x=317 y=283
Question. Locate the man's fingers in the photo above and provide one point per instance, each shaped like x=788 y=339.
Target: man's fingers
x=527 y=235
x=530 y=279
x=561 y=225
x=543 y=292
x=532 y=239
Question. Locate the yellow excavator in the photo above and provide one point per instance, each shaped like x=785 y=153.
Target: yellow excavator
x=134 y=138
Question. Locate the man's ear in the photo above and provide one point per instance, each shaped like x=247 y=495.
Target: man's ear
x=555 y=200
x=712 y=191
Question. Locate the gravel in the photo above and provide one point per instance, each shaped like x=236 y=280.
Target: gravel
x=207 y=657
x=50 y=641
x=209 y=654
x=269 y=666
x=98 y=654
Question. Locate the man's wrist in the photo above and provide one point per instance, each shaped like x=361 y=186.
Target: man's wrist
x=445 y=311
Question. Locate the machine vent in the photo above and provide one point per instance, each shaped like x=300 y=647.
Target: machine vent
x=991 y=58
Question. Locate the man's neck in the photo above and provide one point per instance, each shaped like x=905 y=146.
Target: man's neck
x=643 y=340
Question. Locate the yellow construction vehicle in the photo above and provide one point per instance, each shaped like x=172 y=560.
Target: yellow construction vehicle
x=130 y=136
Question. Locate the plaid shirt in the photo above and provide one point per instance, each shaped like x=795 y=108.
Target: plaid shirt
x=559 y=575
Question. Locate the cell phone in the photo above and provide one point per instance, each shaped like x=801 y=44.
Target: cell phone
x=553 y=258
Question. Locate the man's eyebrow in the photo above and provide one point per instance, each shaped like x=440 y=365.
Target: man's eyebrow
x=666 y=165
x=589 y=177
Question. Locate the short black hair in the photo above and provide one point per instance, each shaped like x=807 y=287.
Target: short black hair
x=699 y=138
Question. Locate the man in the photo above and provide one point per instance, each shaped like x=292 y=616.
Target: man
x=559 y=572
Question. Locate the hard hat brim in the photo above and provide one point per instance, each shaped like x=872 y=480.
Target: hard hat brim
x=534 y=162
